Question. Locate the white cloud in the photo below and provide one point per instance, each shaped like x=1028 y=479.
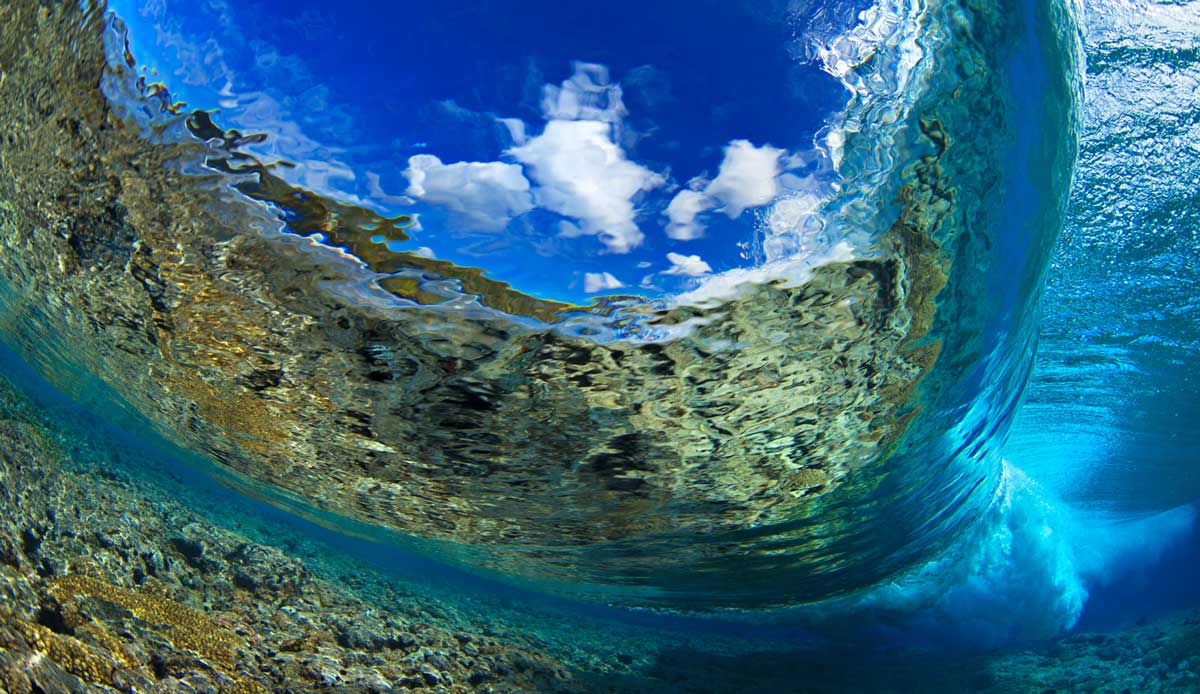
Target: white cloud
x=377 y=193
x=749 y=176
x=688 y=265
x=516 y=129
x=746 y=177
x=600 y=281
x=580 y=171
x=582 y=174
x=568 y=230
x=586 y=95
x=486 y=195
x=682 y=213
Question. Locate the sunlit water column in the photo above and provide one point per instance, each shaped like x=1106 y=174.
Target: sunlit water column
x=1109 y=423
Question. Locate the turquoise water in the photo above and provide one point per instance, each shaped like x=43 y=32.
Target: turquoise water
x=850 y=327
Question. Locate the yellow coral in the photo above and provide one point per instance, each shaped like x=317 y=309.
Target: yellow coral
x=69 y=653
x=245 y=686
x=189 y=629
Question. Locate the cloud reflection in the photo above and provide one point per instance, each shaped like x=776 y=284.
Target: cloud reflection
x=600 y=281
x=485 y=196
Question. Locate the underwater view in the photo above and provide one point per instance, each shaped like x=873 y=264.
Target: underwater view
x=567 y=347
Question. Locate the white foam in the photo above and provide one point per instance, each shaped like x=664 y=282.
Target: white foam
x=1012 y=579
x=1022 y=575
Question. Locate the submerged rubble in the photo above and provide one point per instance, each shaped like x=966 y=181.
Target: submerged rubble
x=109 y=582
x=106 y=587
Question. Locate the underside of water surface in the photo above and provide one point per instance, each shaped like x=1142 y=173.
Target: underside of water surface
x=812 y=330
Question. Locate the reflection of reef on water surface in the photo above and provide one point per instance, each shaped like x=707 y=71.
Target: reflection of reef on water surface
x=365 y=235
x=773 y=417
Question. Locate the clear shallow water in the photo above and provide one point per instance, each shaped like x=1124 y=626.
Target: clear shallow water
x=925 y=532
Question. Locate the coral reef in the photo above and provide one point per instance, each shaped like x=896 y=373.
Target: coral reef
x=108 y=583
x=188 y=629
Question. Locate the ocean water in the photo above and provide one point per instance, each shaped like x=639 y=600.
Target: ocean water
x=528 y=346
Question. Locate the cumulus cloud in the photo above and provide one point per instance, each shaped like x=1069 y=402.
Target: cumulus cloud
x=600 y=281
x=682 y=212
x=586 y=95
x=582 y=174
x=746 y=177
x=515 y=128
x=485 y=195
x=687 y=265
x=579 y=170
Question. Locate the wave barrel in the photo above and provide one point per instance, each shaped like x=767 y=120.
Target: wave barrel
x=751 y=426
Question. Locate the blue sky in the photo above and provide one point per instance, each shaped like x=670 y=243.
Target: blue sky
x=569 y=148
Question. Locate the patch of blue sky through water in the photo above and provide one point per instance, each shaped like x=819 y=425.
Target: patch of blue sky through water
x=567 y=148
